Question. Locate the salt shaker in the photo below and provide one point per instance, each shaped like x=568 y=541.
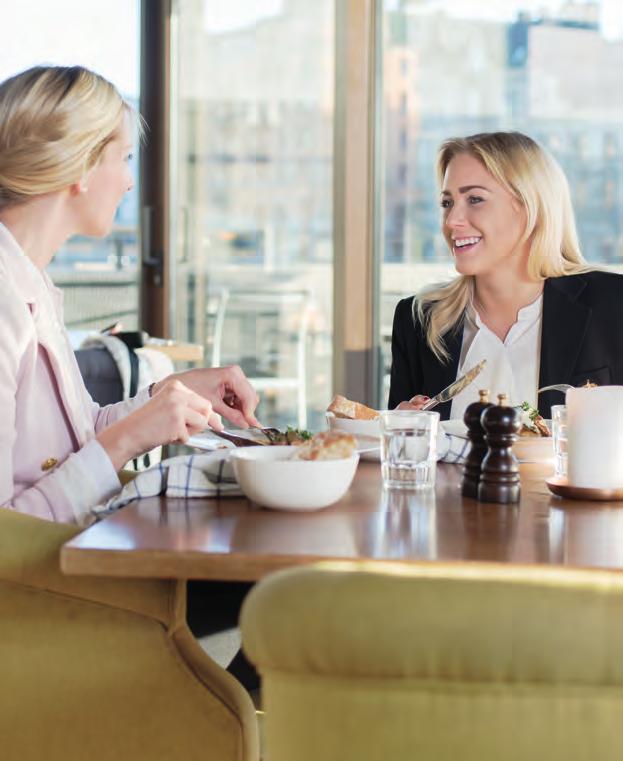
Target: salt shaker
x=499 y=477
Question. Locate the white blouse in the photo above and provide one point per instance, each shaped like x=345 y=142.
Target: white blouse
x=512 y=365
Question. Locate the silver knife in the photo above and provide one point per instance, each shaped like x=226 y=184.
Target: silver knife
x=454 y=388
x=239 y=441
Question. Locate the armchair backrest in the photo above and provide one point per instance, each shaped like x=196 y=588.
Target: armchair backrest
x=465 y=661
x=105 y=669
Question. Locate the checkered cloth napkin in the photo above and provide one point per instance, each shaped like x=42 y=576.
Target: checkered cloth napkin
x=204 y=475
x=451 y=448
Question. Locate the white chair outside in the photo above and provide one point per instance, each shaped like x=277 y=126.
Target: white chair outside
x=273 y=320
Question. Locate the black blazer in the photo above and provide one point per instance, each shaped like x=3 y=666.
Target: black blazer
x=581 y=339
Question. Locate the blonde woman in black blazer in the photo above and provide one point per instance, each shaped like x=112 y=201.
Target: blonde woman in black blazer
x=508 y=220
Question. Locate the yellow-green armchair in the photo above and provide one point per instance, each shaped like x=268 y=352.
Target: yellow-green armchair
x=464 y=662
x=103 y=670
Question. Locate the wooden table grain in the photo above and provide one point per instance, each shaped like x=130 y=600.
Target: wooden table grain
x=232 y=539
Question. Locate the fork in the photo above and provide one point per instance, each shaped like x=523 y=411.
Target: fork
x=270 y=433
x=564 y=387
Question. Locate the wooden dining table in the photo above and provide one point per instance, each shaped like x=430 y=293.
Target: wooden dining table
x=230 y=538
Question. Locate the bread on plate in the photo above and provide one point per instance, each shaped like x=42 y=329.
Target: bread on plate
x=345 y=408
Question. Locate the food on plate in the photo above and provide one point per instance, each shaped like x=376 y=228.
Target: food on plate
x=289 y=436
x=345 y=408
x=327 y=445
x=532 y=423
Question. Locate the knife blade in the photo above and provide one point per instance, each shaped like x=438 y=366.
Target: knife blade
x=455 y=388
x=239 y=441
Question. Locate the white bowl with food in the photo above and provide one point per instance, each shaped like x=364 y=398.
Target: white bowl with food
x=279 y=478
x=533 y=447
x=362 y=422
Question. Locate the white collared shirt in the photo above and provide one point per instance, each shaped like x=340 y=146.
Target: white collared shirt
x=512 y=364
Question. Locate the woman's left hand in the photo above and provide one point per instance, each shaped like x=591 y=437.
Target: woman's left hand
x=228 y=390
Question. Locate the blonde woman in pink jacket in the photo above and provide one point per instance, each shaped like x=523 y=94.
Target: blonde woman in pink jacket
x=65 y=140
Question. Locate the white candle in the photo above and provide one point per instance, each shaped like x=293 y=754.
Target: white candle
x=595 y=437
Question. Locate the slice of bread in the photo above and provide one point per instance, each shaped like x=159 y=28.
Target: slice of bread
x=345 y=408
x=327 y=445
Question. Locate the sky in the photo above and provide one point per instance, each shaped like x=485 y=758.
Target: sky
x=104 y=35
x=100 y=35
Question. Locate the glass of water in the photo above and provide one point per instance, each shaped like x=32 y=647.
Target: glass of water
x=559 y=434
x=409 y=448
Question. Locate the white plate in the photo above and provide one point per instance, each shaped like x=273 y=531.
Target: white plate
x=366 y=452
x=209 y=442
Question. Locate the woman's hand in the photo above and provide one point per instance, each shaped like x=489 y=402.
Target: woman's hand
x=227 y=388
x=171 y=416
x=415 y=403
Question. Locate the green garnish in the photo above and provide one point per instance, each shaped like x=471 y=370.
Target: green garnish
x=533 y=413
x=289 y=436
x=305 y=435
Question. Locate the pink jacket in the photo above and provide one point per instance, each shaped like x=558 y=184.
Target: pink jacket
x=51 y=465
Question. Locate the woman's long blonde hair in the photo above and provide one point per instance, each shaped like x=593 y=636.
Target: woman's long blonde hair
x=533 y=177
x=54 y=124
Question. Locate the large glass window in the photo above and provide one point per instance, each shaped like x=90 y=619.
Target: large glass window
x=551 y=69
x=252 y=194
x=98 y=277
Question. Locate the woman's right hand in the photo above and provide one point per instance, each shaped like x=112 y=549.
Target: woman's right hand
x=171 y=416
x=415 y=403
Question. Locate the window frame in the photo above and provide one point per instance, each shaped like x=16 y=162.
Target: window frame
x=356 y=205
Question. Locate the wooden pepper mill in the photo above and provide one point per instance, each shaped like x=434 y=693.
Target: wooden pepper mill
x=478 y=449
x=499 y=477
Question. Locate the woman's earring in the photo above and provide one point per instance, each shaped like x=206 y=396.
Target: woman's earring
x=84 y=189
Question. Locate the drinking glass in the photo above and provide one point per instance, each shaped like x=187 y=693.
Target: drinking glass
x=409 y=448
x=559 y=433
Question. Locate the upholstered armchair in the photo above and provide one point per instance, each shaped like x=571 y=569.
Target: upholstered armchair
x=103 y=670
x=372 y=662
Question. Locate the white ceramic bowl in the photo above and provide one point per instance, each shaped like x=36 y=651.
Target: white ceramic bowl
x=268 y=476
x=367 y=433
x=535 y=448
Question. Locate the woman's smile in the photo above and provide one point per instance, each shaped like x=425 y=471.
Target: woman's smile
x=463 y=245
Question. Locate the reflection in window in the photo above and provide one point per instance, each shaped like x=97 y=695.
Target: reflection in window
x=254 y=122
x=552 y=73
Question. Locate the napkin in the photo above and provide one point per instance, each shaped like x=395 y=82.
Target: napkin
x=452 y=448
x=205 y=475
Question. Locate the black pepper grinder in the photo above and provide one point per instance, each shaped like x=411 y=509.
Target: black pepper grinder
x=478 y=449
x=499 y=477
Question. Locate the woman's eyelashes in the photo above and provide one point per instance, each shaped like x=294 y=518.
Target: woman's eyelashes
x=448 y=203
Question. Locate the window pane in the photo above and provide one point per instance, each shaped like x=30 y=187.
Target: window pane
x=98 y=277
x=252 y=199
x=549 y=69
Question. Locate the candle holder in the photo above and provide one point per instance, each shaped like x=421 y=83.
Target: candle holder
x=560 y=486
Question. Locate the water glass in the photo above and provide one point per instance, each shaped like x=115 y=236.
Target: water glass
x=409 y=448
x=559 y=433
